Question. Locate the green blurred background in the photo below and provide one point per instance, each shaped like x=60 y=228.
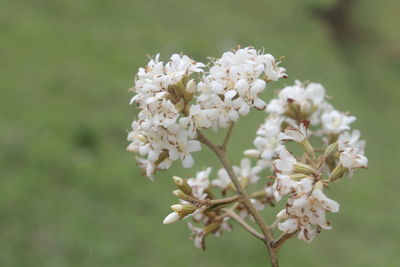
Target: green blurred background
x=71 y=195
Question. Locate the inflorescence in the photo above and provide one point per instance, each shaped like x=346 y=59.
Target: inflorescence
x=179 y=99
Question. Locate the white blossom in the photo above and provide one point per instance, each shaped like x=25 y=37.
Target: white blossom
x=200 y=183
x=222 y=181
x=347 y=139
x=234 y=83
x=245 y=173
x=267 y=143
x=284 y=185
x=285 y=163
x=307 y=97
x=335 y=122
x=296 y=134
x=350 y=159
x=306 y=213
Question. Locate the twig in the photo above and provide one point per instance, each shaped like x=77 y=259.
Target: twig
x=222 y=200
x=243 y=223
x=220 y=153
x=227 y=136
x=279 y=242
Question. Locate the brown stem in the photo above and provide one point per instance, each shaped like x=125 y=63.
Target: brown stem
x=276 y=244
x=268 y=237
x=243 y=223
x=227 y=136
x=221 y=201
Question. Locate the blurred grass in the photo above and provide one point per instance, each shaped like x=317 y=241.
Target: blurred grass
x=71 y=195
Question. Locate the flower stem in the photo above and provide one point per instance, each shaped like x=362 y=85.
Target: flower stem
x=221 y=154
x=279 y=242
x=227 y=136
x=243 y=223
x=227 y=200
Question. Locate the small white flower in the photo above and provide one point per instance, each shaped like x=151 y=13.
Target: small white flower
x=246 y=171
x=285 y=163
x=348 y=139
x=223 y=180
x=350 y=159
x=182 y=149
x=296 y=134
x=307 y=97
x=289 y=226
x=202 y=118
x=284 y=185
x=200 y=183
x=307 y=233
x=267 y=143
x=198 y=236
x=325 y=202
x=335 y=122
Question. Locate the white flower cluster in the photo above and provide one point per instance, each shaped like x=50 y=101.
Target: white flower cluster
x=179 y=98
x=299 y=113
x=234 y=83
x=173 y=104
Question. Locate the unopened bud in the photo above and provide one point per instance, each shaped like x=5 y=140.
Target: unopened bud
x=184 y=209
x=179 y=193
x=303 y=168
x=171 y=218
x=252 y=153
x=211 y=227
x=308 y=148
x=337 y=172
x=183 y=185
x=191 y=86
x=331 y=150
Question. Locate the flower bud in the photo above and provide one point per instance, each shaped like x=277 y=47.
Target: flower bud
x=337 y=172
x=171 y=218
x=211 y=227
x=183 y=185
x=308 y=148
x=191 y=86
x=331 y=150
x=184 y=209
x=252 y=153
x=179 y=193
x=303 y=168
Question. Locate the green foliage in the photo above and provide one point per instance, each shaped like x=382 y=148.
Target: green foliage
x=71 y=195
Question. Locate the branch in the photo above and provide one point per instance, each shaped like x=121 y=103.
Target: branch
x=268 y=237
x=222 y=200
x=227 y=136
x=279 y=242
x=243 y=223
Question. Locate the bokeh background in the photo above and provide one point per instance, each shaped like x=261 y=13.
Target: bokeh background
x=70 y=194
